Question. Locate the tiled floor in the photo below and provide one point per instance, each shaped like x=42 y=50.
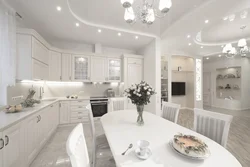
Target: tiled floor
x=54 y=153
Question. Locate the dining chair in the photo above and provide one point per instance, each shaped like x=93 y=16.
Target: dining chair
x=170 y=111
x=99 y=143
x=212 y=125
x=77 y=148
x=117 y=104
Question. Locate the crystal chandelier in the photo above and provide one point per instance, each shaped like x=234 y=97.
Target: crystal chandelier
x=242 y=49
x=145 y=13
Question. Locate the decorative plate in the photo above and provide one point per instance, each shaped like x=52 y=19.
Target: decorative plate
x=190 y=147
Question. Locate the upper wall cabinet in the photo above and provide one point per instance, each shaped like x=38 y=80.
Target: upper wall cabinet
x=55 y=66
x=80 y=68
x=114 y=70
x=39 y=51
x=66 y=67
x=98 y=69
x=32 y=59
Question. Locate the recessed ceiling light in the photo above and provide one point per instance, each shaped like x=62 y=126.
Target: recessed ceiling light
x=201 y=47
x=77 y=24
x=225 y=18
x=206 y=21
x=207 y=58
x=136 y=37
x=222 y=46
x=190 y=44
x=99 y=30
x=119 y=34
x=219 y=56
x=188 y=36
x=59 y=8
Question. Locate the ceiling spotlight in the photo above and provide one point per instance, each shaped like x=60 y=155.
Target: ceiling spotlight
x=59 y=8
x=206 y=21
x=219 y=56
x=77 y=24
x=99 y=30
x=188 y=36
x=189 y=44
x=136 y=37
x=201 y=47
x=207 y=58
x=222 y=46
x=225 y=18
x=119 y=34
x=231 y=17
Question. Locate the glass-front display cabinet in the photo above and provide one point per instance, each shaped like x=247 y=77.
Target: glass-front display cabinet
x=114 y=70
x=81 y=68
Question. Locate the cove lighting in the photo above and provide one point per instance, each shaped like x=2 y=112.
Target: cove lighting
x=114 y=83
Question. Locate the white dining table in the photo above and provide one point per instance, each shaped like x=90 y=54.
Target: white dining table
x=121 y=129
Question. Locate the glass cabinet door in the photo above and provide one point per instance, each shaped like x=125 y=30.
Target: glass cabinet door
x=81 y=66
x=114 y=69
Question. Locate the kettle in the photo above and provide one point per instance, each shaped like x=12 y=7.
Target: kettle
x=110 y=92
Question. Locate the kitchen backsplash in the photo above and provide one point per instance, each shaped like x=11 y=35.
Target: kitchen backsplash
x=57 y=89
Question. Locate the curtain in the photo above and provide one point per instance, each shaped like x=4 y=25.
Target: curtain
x=7 y=49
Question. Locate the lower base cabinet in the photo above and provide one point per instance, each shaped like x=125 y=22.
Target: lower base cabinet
x=13 y=150
x=64 y=112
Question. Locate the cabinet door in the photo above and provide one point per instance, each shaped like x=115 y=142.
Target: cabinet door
x=43 y=127
x=64 y=113
x=1 y=149
x=98 y=69
x=134 y=77
x=12 y=152
x=39 y=51
x=66 y=67
x=114 y=69
x=31 y=138
x=55 y=66
x=81 y=68
x=40 y=70
x=53 y=117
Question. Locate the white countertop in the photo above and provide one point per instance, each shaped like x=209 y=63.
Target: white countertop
x=8 y=119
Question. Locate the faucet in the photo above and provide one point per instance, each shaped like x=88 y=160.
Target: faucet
x=41 y=92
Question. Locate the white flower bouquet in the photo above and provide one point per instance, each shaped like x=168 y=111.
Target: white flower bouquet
x=140 y=93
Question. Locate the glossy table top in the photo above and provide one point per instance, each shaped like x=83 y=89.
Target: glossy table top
x=121 y=129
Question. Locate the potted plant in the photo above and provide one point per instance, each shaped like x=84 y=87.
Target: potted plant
x=140 y=95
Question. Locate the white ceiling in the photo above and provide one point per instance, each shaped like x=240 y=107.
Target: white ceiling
x=42 y=16
x=213 y=34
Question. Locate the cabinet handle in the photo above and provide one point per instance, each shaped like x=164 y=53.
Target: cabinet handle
x=38 y=119
x=80 y=107
x=7 y=140
x=2 y=143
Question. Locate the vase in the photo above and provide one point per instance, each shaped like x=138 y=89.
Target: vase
x=140 y=120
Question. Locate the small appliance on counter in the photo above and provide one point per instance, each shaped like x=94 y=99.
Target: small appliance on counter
x=110 y=92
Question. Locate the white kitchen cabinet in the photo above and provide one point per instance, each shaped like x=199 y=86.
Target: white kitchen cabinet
x=66 y=67
x=31 y=137
x=133 y=73
x=1 y=149
x=39 y=51
x=32 y=59
x=79 y=112
x=81 y=68
x=114 y=70
x=40 y=71
x=13 y=149
x=98 y=69
x=55 y=66
x=53 y=117
x=64 y=112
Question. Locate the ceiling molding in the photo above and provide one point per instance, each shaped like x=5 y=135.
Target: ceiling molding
x=88 y=23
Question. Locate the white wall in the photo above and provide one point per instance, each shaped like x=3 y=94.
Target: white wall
x=187 y=76
x=152 y=73
x=244 y=63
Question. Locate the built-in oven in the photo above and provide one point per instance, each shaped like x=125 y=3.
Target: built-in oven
x=99 y=105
